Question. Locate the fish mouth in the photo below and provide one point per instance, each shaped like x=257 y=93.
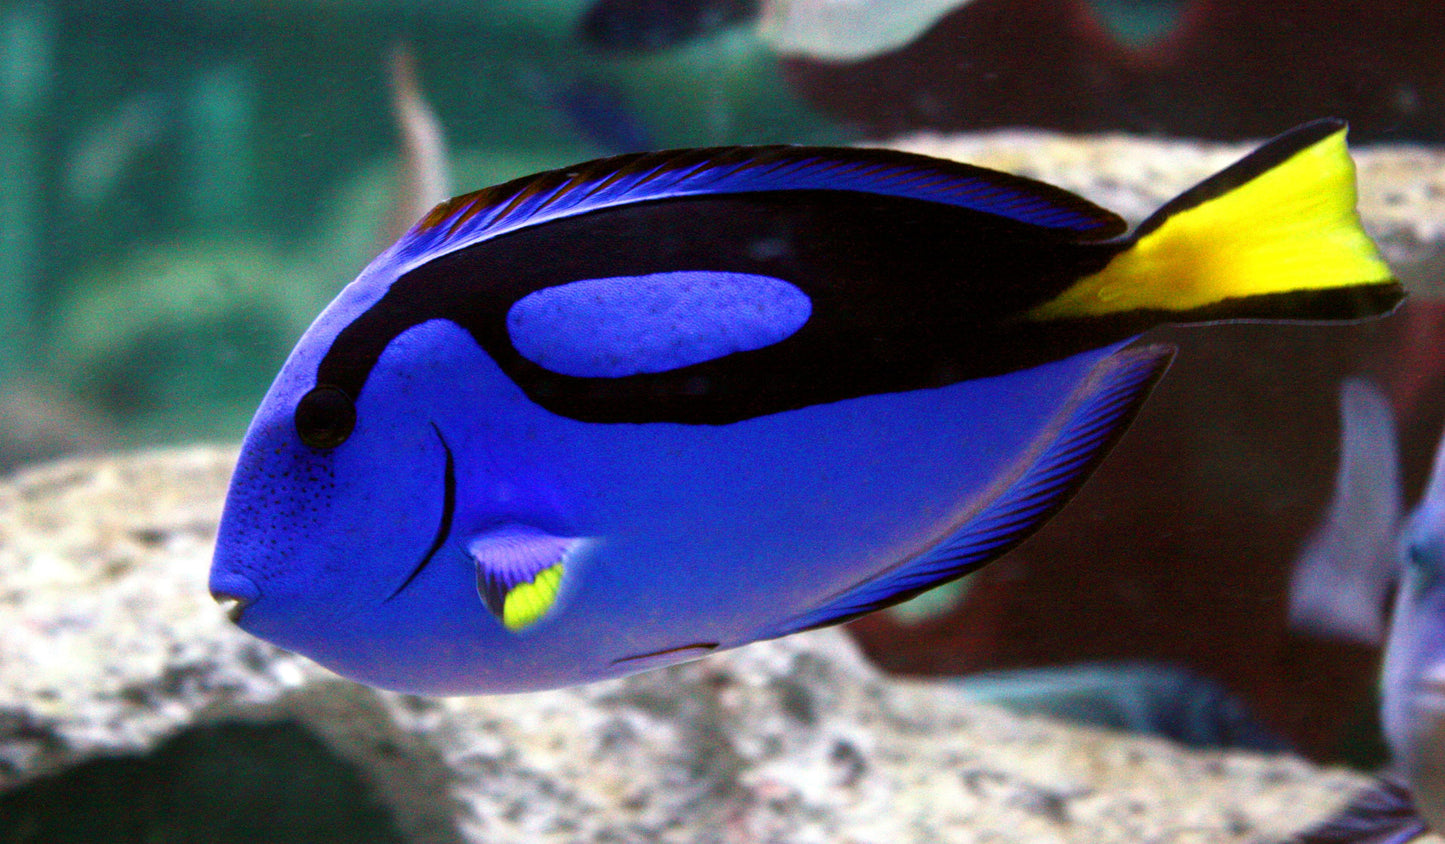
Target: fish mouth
x=449 y=506
x=234 y=592
x=232 y=605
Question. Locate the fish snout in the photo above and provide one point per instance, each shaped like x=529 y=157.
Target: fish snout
x=234 y=592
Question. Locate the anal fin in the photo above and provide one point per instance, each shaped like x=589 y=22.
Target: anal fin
x=1086 y=427
x=519 y=572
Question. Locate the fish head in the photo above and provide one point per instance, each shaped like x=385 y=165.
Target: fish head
x=1418 y=618
x=336 y=540
x=317 y=480
x=1413 y=676
x=1419 y=613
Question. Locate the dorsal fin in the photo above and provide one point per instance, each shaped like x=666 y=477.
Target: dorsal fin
x=641 y=177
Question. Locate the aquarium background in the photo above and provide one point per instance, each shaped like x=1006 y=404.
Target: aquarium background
x=184 y=185
x=187 y=184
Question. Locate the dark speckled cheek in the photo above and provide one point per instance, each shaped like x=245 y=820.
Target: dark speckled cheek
x=278 y=507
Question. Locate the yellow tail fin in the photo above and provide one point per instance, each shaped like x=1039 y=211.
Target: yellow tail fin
x=1280 y=220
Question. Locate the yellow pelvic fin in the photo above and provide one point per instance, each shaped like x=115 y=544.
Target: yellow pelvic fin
x=530 y=600
x=1279 y=220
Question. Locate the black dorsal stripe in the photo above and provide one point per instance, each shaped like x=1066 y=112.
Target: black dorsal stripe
x=906 y=295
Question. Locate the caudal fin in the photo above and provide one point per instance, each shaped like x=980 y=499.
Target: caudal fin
x=1274 y=236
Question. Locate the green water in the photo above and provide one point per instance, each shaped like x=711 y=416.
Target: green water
x=188 y=183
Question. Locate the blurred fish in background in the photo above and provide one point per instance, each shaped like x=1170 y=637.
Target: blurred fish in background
x=842 y=30
x=596 y=110
x=642 y=25
x=1168 y=701
x=1342 y=578
x=1341 y=584
x=424 y=174
x=1226 y=69
x=1222 y=69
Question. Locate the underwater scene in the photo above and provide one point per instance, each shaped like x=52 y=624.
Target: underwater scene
x=722 y=421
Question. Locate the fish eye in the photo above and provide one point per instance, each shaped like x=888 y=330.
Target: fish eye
x=325 y=417
x=1423 y=559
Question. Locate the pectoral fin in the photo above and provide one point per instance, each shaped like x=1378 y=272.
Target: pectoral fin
x=520 y=571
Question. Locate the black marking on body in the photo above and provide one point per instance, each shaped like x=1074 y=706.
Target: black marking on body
x=906 y=295
x=449 y=506
x=695 y=646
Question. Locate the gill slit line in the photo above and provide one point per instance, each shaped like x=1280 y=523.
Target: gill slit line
x=449 y=504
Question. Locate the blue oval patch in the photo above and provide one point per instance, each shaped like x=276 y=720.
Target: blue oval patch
x=630 y=325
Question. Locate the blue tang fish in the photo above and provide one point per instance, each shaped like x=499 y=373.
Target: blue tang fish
x=643 y=409
x=1341 y=586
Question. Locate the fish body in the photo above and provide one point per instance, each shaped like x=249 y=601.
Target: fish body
x=637 y=411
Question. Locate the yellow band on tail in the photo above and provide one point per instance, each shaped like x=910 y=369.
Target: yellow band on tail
x=1291 y=227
